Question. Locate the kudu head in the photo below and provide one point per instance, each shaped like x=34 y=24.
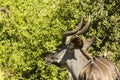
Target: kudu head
x=70 y=42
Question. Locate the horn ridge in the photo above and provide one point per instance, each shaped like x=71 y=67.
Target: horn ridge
x=84 y=28
x=75 y=30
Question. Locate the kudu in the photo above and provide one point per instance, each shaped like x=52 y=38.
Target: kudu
x=74 y=56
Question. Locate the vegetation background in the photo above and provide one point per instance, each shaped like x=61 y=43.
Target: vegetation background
x=32 y=29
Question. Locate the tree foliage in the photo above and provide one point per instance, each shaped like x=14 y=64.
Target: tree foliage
x=32 y=29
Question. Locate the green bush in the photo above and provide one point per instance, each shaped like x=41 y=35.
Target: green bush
x=32 y=29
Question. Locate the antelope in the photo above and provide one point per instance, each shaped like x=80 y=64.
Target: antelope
x=73 y=55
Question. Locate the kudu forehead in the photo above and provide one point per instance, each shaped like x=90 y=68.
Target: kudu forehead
x=57 y=53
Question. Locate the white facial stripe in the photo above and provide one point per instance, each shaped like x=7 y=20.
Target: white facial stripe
x=60 y=55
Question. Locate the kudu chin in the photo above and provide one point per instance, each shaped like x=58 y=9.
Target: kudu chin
x=74 y=56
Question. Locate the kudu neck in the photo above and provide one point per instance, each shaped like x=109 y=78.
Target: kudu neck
x=86 y=54
x=76 y=65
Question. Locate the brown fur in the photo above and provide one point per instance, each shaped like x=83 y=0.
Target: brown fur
x=99 y=68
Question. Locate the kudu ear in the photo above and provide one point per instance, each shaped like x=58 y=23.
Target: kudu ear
x=88 y=42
